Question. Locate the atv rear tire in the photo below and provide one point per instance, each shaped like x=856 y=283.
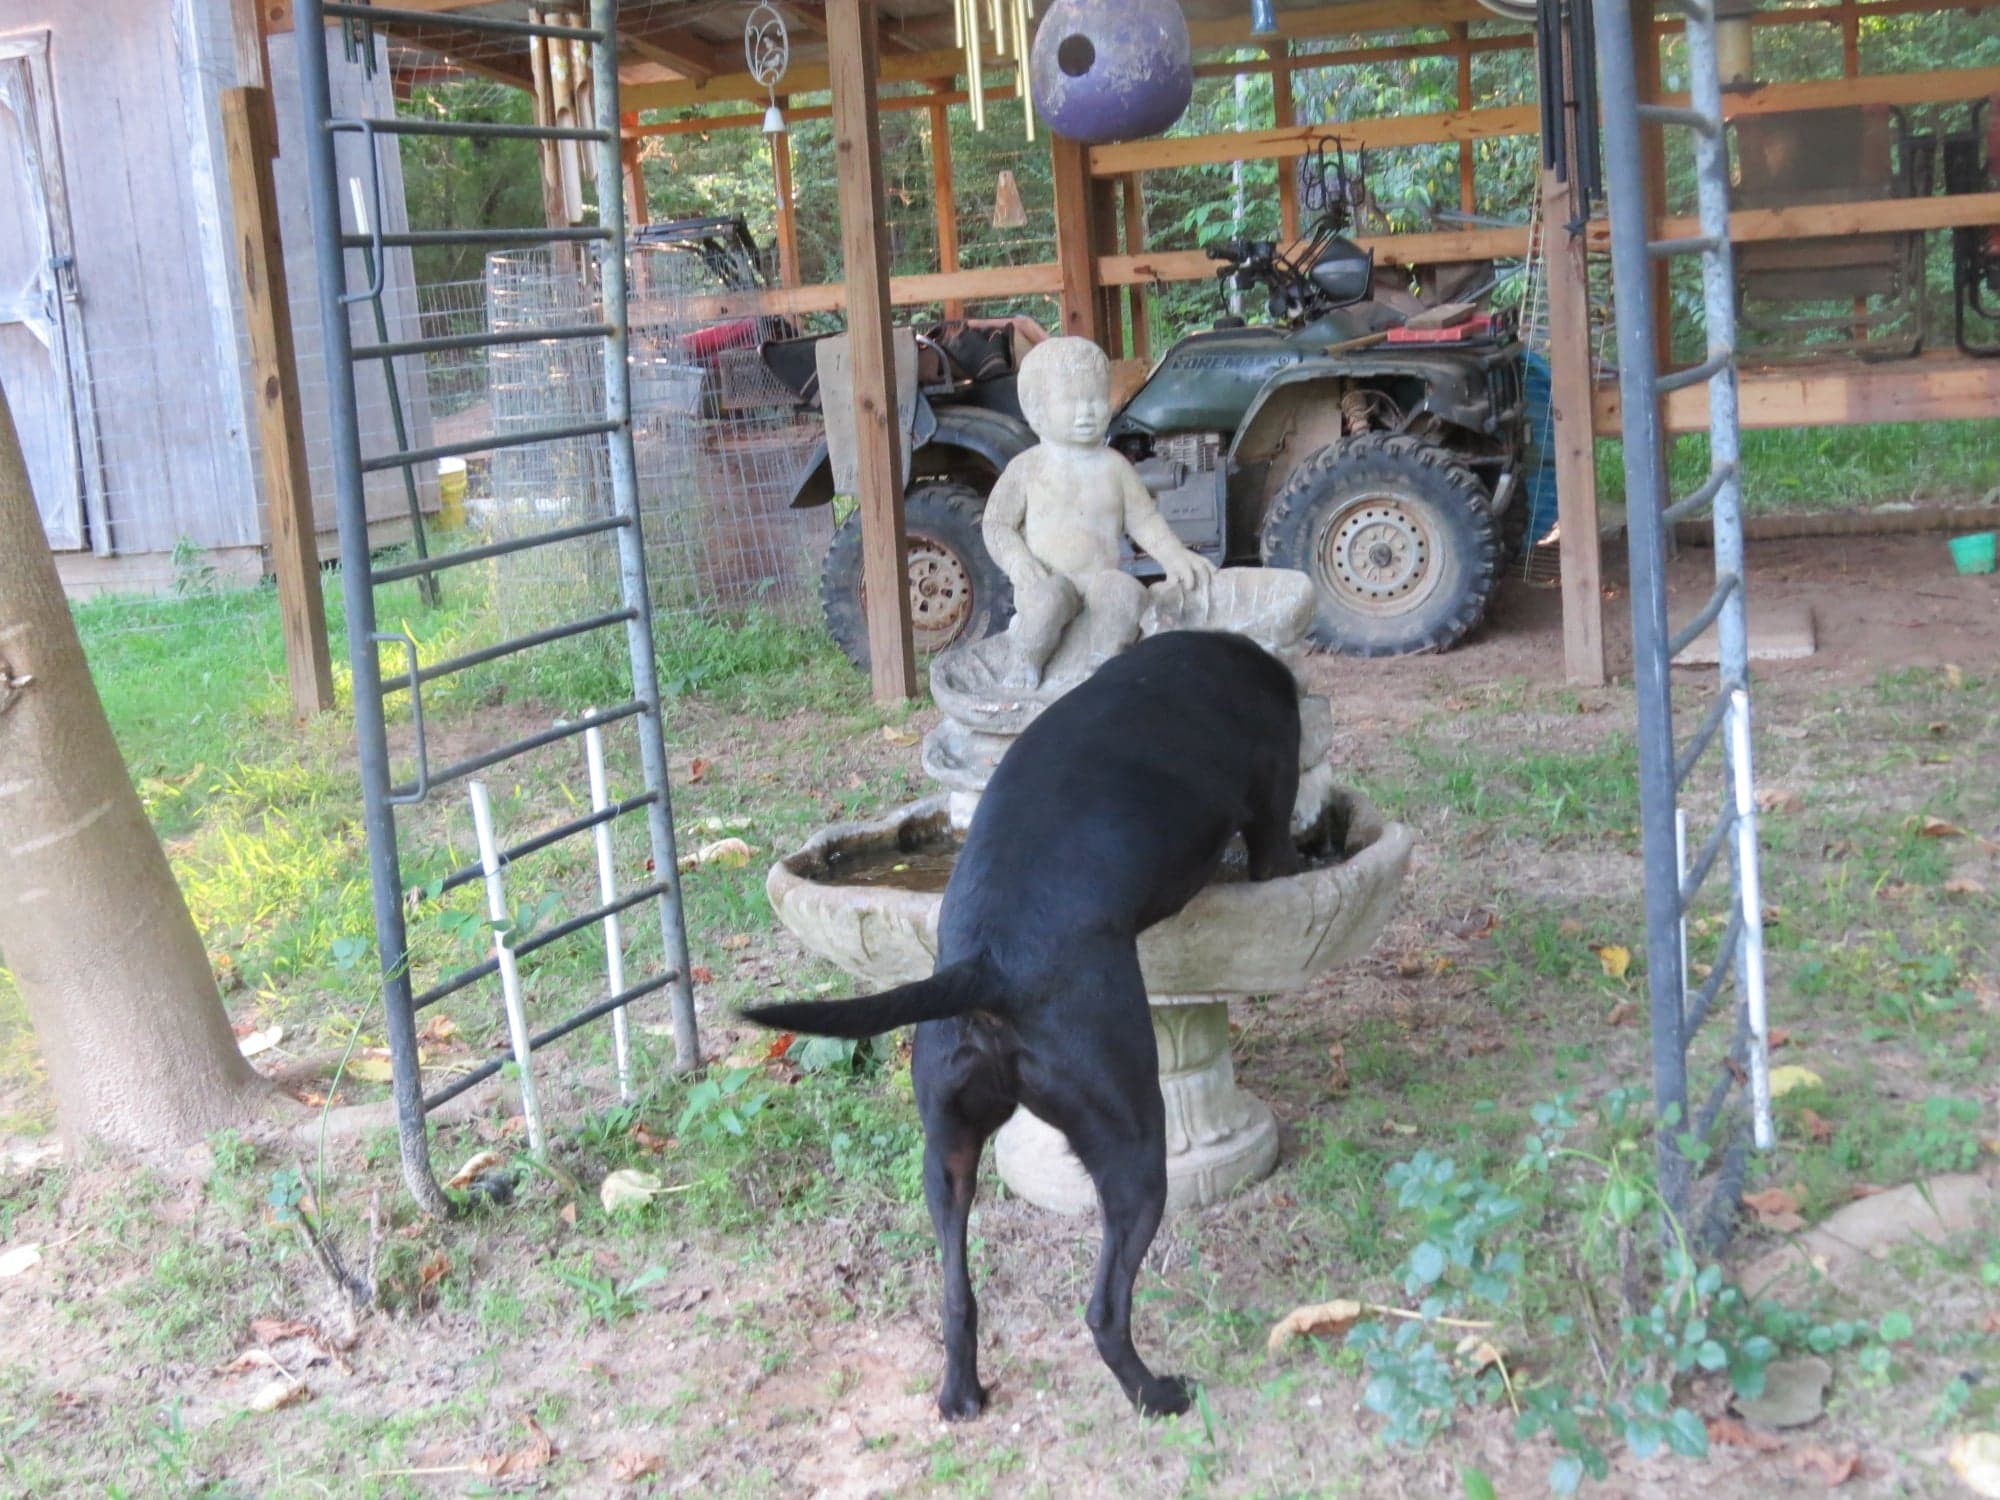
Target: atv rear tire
x=1398 y=538
x=957 y=592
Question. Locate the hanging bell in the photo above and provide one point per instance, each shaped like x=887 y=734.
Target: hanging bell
x=1263 y=18
x=1009 y=212
x=774 y=120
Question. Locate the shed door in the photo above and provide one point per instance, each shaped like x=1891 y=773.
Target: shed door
x=42 y=368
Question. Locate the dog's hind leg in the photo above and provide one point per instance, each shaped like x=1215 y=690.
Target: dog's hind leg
x=1100 y=1086
x=951 y=1177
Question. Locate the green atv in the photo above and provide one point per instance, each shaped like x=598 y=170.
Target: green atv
x=1344 y=439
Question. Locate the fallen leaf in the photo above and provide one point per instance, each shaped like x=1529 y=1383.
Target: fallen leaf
x=1337 y=1081
x=1396 y=1127
x=1899 y=890
x=1480 y=924
x=277 y=1330
x=1729 y=1432
x=629 y=1467
x=1963 y=885
x=702 y=974
x=249 y=1359
x=568 y=1214
x=1819 y=1128
x=780 y=1045
x=1975 y=1459
x=261 y=1041
x=1835 y=1469
x=697 y=768
x=1615 y=959
x=1792 y=1076
x=1954 y=676
x=1779 y=799
x=522 y=1460
x=627 y=1187
x=439 y=1028
x=1318 y=1319
x=1862 y=1190
x=1938 y=727
x=897 y=735
x=1937 y=828
x=284 y=1391
x=646 y=1141
x=371 y=1069
x=21 y=1258
x=1622 y=1014
x=1569 y=927
x=1777 y=1038
x=1478 y=1352
x=483 y=1161
x=729 y=854
x=736 y=942
x=723 y=825
x=1775 y=1209
x=434 y=1270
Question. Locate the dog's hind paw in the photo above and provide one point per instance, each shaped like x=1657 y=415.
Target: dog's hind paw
x=1166 y=1396
x=958 y=1404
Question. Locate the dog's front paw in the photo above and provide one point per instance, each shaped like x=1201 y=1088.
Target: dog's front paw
x=1166 y=1396
x=958 y=1403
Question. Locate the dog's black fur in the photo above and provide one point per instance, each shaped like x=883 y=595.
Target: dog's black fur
x=1107 y=815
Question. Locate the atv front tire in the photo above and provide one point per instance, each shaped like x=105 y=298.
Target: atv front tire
x=957 y=592
x=1398 y=538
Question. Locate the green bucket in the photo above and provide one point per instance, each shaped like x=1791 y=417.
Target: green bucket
x=1973 y=554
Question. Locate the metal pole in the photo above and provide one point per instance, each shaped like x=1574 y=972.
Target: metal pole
x=631 y=546
x=1645 y=487
x=607 y=893
x=503 y=955
x=371 y=739
x=1750 y=947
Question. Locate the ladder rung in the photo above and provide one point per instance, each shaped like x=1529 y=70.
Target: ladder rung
x=491 y=339
x=1699 y=374
x=536 y=941
x=1694 y=244
x=1704 y=736
x=418 y=238
x=1710 y=488
x=1705 y=861
x=440 y=561
x=554 y=1034
x=484 y=130
x=1674 y=114
x=480 y=762
x=484 y=444
x=1725 y=965
x=466 y=874
x=1684 y=637
x=509 y=648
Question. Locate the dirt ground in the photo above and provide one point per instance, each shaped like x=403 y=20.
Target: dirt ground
x=800 y=1361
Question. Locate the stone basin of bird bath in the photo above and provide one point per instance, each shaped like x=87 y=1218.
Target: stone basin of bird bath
x=866 y=895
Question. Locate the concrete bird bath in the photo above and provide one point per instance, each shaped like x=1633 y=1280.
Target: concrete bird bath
x=841 y=896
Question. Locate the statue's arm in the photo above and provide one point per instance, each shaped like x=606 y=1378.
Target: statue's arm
x=1001 y=528
x=1151 y=530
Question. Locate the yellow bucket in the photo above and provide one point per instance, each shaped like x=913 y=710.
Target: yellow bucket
x=451 y=493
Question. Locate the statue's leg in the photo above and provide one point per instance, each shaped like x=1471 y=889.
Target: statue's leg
x=1113 y=603
x=1041 y=611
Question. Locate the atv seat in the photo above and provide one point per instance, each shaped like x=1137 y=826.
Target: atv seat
x=1860 y=293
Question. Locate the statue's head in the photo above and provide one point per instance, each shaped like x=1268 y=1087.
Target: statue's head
x=1065 y=391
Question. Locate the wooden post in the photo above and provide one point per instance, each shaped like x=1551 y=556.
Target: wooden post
x=1468 y=192
x=1653 y=143
x=1104 y=198
x=249 y=147
x=1283 y=113
x=852 y=42
x=944 y=197
x=1076 y=250
x=1571 y=380
x=637 y=213
x=1135 y=244
x=789 y=273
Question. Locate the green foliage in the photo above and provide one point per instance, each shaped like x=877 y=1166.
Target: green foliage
x=453 y=183
x=602 y=1298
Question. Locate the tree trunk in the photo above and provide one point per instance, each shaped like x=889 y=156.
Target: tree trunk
x=92 y=925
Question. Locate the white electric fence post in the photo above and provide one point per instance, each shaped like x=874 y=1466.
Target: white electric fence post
x=1750 y=956
x=607 y=894
x=503 y=954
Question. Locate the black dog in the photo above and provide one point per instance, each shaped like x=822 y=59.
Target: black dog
x=1107 y=815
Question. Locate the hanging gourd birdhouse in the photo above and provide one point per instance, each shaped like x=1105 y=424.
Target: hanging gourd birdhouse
x=1112 y=70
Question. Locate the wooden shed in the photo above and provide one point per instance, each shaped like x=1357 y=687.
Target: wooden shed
x=123 y=342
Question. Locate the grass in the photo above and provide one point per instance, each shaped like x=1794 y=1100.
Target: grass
x=785 y=1281
x=1811 y=469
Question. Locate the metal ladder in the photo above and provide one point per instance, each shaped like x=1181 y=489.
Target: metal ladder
x=381 y=794
x=1666 y=766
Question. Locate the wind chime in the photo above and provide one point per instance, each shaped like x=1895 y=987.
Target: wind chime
x=767 y=49
x=563 y=97
x=993 y=30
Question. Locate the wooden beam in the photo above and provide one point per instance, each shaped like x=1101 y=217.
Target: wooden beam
x=692 y=56
x=1135 y=244
x=852 y=40
x=1468 y=189
x=1653 y=165
x=1283 y=116
x=1399 y=249
x=1848 y=392
x=637 y=211
x=1076 y=252
x=984 y=283
x=1104 y=203
x=253 y=199
x=801 y=78
x=1298 y=140
x=944 y=201
x=790 y=273
x=1570 y=379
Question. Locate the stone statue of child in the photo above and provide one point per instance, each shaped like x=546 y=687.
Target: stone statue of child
x=1054 y=520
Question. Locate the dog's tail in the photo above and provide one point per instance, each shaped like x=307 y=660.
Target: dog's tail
x=952 y=991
